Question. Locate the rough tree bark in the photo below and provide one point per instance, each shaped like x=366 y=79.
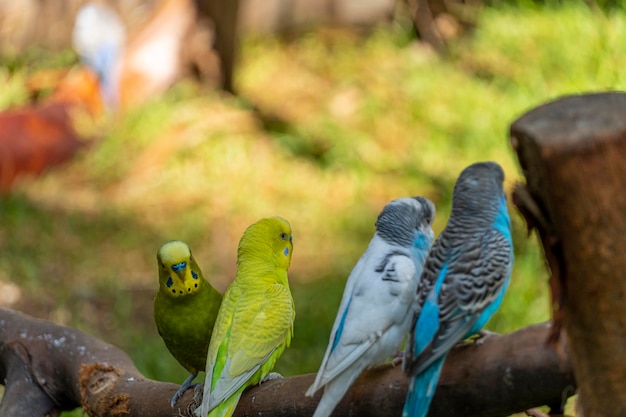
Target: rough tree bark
x=48 y=368
x=573 y=154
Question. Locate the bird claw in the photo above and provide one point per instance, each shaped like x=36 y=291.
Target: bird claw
x=397 y=359
x=270 y=376
x=186 y=385
x=198 y=392
x=175 y=398
x=180 y=393
x=196 y=403
x=534 y=412
x=483 y=335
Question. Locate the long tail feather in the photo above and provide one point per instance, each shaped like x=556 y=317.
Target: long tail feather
x=225 y=409
x=335 y=390
x=422 y=389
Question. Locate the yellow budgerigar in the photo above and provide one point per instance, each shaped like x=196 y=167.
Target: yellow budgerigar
x=185 y=309
x=255 y=321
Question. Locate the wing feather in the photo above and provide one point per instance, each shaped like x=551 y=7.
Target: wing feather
x=256 y=328
x=378 y=295
x=475 y=277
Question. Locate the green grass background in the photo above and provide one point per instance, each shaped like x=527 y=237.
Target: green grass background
x=356 y=122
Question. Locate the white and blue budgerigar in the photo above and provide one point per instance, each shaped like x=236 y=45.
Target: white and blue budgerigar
x=377 y=306
x=99 y=37
x=464 y=279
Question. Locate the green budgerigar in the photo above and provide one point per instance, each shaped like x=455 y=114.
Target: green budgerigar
x=185 y=309
x=255 y=322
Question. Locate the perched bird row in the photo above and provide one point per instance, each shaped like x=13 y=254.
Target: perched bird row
x=400 y=286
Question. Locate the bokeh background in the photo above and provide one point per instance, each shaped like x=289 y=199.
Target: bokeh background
x=331 y=121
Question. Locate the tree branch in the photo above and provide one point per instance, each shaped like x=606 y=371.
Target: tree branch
x=49 y=368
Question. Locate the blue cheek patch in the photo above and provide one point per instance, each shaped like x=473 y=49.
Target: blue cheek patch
x=420 y=241
x=286 y=251
x=169 y=282
x=194 y=275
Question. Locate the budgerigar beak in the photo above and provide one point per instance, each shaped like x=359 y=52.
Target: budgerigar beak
x=180 y=269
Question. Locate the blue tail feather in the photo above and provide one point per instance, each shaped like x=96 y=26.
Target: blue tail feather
x=422 y=389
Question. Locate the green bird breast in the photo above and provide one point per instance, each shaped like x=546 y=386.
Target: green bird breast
x=186 y=323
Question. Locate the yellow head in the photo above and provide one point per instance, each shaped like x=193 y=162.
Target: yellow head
x=179 y=275
x=269 y=241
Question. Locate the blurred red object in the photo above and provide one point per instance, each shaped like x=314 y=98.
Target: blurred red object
x=41 y=135
x=120 y=72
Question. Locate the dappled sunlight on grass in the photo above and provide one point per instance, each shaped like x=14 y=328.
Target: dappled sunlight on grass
x=548 y=52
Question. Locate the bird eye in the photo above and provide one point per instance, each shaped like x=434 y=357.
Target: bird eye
x=283 y=236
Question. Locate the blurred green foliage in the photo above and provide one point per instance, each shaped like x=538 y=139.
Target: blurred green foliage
x=346 y=123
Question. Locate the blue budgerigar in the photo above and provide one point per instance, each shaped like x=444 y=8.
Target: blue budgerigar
x=464 y=279
x=377 y=307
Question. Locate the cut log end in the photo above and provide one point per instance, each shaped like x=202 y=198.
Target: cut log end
x=573 y=154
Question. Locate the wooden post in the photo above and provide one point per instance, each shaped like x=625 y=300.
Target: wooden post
x=573 y=154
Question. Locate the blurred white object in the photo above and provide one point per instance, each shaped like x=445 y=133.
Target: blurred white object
x=134 y=68
x=99 y=37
